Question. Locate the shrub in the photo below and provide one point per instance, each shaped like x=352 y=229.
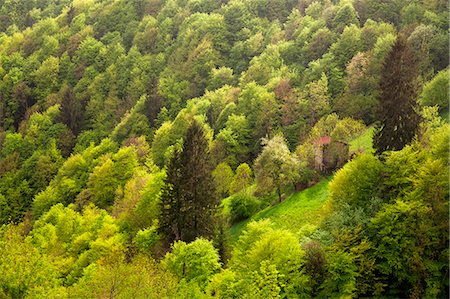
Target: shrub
x=243 y=205
x=195 y=262
x=147 y=238
x=357 y=183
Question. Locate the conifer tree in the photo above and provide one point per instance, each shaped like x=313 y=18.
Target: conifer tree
x=71 y=109
x=188 y=198
x=397 y=117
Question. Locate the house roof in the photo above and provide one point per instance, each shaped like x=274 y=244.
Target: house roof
x=323 y=140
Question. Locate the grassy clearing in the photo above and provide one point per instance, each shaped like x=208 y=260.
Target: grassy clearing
x=295 y=212
x=303 y=210
x=363 y=142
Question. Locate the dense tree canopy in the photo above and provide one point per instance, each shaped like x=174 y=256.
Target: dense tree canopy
x=203 y=148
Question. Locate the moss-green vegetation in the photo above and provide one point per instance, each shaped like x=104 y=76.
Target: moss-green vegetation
x=307 y=207
x=363 y=143
x=124 y=123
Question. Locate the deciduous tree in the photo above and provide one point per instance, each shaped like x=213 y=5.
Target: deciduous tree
x=276 y=167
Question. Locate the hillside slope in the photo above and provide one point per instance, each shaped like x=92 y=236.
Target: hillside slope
x=300 y=211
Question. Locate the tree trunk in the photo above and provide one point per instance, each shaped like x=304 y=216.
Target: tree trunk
x=279 y=193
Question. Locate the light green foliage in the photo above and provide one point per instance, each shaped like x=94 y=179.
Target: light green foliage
x=189 y=290
x=244 y=50
x=359 y=98
x=71 y=178
x=264 y=67
x=195 y=262
x=125 y=162
x=318 y=99
x=362 y=143
x=133 y=123
x=16 y=194
x=173 y=89
x=400 y=166
x=234 y=139
x=140 y=278
x=324 y=126
x=76 y=240
x=24 y=271
x=224 y=285
x=439 y=143
x=30 y=162
x=103 y=183
x=411 y=206
x=242 y=205
x=358 y=248
x=161 y=141
x=357 y=182
x=222 y=103
x=296 y=213
x=202 y=60
x=85 y=84
x=423 y=40
x=147 y=238
x=373 y=32
x=171 y=134
x=396 y=229
x=347 y=46
x=341 y=281
x=411 y=13
x=147 y=208
x=276 y=167
x=278 y=248
x=199 y=46
x=242 y=179
x=111 y=174
x=43 y=127
x=88 y=51
x=266 y=282
x=223 y=176
x=46 y=78
x=40 y=168
x=260 y=108
x=220 y=77
x=436 y=92
x=147 y=34
x=347 y=129
x=269 y=264
x=14 y=142
x=345 y=16
x=137 y=208
x=383 y=45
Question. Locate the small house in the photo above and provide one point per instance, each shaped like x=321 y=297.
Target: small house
x=330 y=154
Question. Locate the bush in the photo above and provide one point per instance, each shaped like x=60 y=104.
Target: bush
x=435 y=92
x=147 y=238
x=357 y=183
x=195 y=262
x=243 y=205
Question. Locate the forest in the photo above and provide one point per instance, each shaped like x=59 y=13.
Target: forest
x=224 y=149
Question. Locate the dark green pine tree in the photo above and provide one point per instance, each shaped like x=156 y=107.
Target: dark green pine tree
x=188 y=200
x=396 y=113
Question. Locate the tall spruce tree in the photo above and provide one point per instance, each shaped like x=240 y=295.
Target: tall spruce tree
x=397 y=115
x=188 y=198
